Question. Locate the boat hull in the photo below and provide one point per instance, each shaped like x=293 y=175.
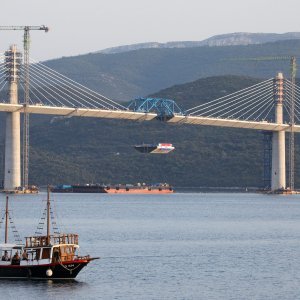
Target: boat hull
x=138 y=191
x=60 y=271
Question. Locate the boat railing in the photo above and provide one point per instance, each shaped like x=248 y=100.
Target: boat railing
x=40 y=241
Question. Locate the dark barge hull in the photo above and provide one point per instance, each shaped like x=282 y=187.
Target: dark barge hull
x=66 y=270
x=79 y=189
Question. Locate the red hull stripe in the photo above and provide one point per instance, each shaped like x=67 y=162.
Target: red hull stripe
x=50 y=265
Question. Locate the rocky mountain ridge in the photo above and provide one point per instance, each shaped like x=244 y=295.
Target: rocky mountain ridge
x=229 y=39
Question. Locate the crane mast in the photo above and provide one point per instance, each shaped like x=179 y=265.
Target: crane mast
x=26 y=46
x=292 y=123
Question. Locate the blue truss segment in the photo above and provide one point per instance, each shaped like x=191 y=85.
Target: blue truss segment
x=164 y=108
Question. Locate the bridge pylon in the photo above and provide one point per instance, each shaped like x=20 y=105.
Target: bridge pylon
x=278 y=178
x=12 y=167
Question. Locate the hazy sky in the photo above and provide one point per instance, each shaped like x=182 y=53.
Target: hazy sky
x=78 y=27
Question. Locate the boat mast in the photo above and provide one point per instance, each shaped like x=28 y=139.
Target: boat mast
x=48 y=215
x=6 y=220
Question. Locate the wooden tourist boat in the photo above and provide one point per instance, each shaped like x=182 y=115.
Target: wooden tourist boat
x=42 y=257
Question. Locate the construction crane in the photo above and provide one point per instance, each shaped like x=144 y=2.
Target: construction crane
x=292 y=123
x=26 y=46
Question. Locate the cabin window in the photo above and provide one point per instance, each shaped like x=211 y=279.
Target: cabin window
x=46 y=253
x=37 y=254
x=67 y=253
x=31 y=254
x=5 y=255
x=55 y=255
x=16 y=257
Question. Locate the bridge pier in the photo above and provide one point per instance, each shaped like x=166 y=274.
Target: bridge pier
x=12 y=167
x=278 y=178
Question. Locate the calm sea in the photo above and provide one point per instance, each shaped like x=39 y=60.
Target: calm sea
x=181 y=246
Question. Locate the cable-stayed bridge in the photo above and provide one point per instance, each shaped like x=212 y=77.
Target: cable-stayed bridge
x=266 y=106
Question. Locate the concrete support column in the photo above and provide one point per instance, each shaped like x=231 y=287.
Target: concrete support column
x=12 y=168
x=278 y=180
x=12 y=178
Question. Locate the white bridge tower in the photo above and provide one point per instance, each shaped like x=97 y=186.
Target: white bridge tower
x=278 y=177
x=12 y=168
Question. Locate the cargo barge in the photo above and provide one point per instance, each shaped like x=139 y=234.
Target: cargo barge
x=114 y=189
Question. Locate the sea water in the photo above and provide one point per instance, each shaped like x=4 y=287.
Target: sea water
x=179 y=246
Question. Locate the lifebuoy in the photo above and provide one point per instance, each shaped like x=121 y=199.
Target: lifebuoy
x=49 y=272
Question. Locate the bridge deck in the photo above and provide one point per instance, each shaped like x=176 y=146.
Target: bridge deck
x=262 y=125
x=130 y=115
x=78 y=112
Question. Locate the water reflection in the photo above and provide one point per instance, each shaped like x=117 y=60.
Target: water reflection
x=21 y=289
